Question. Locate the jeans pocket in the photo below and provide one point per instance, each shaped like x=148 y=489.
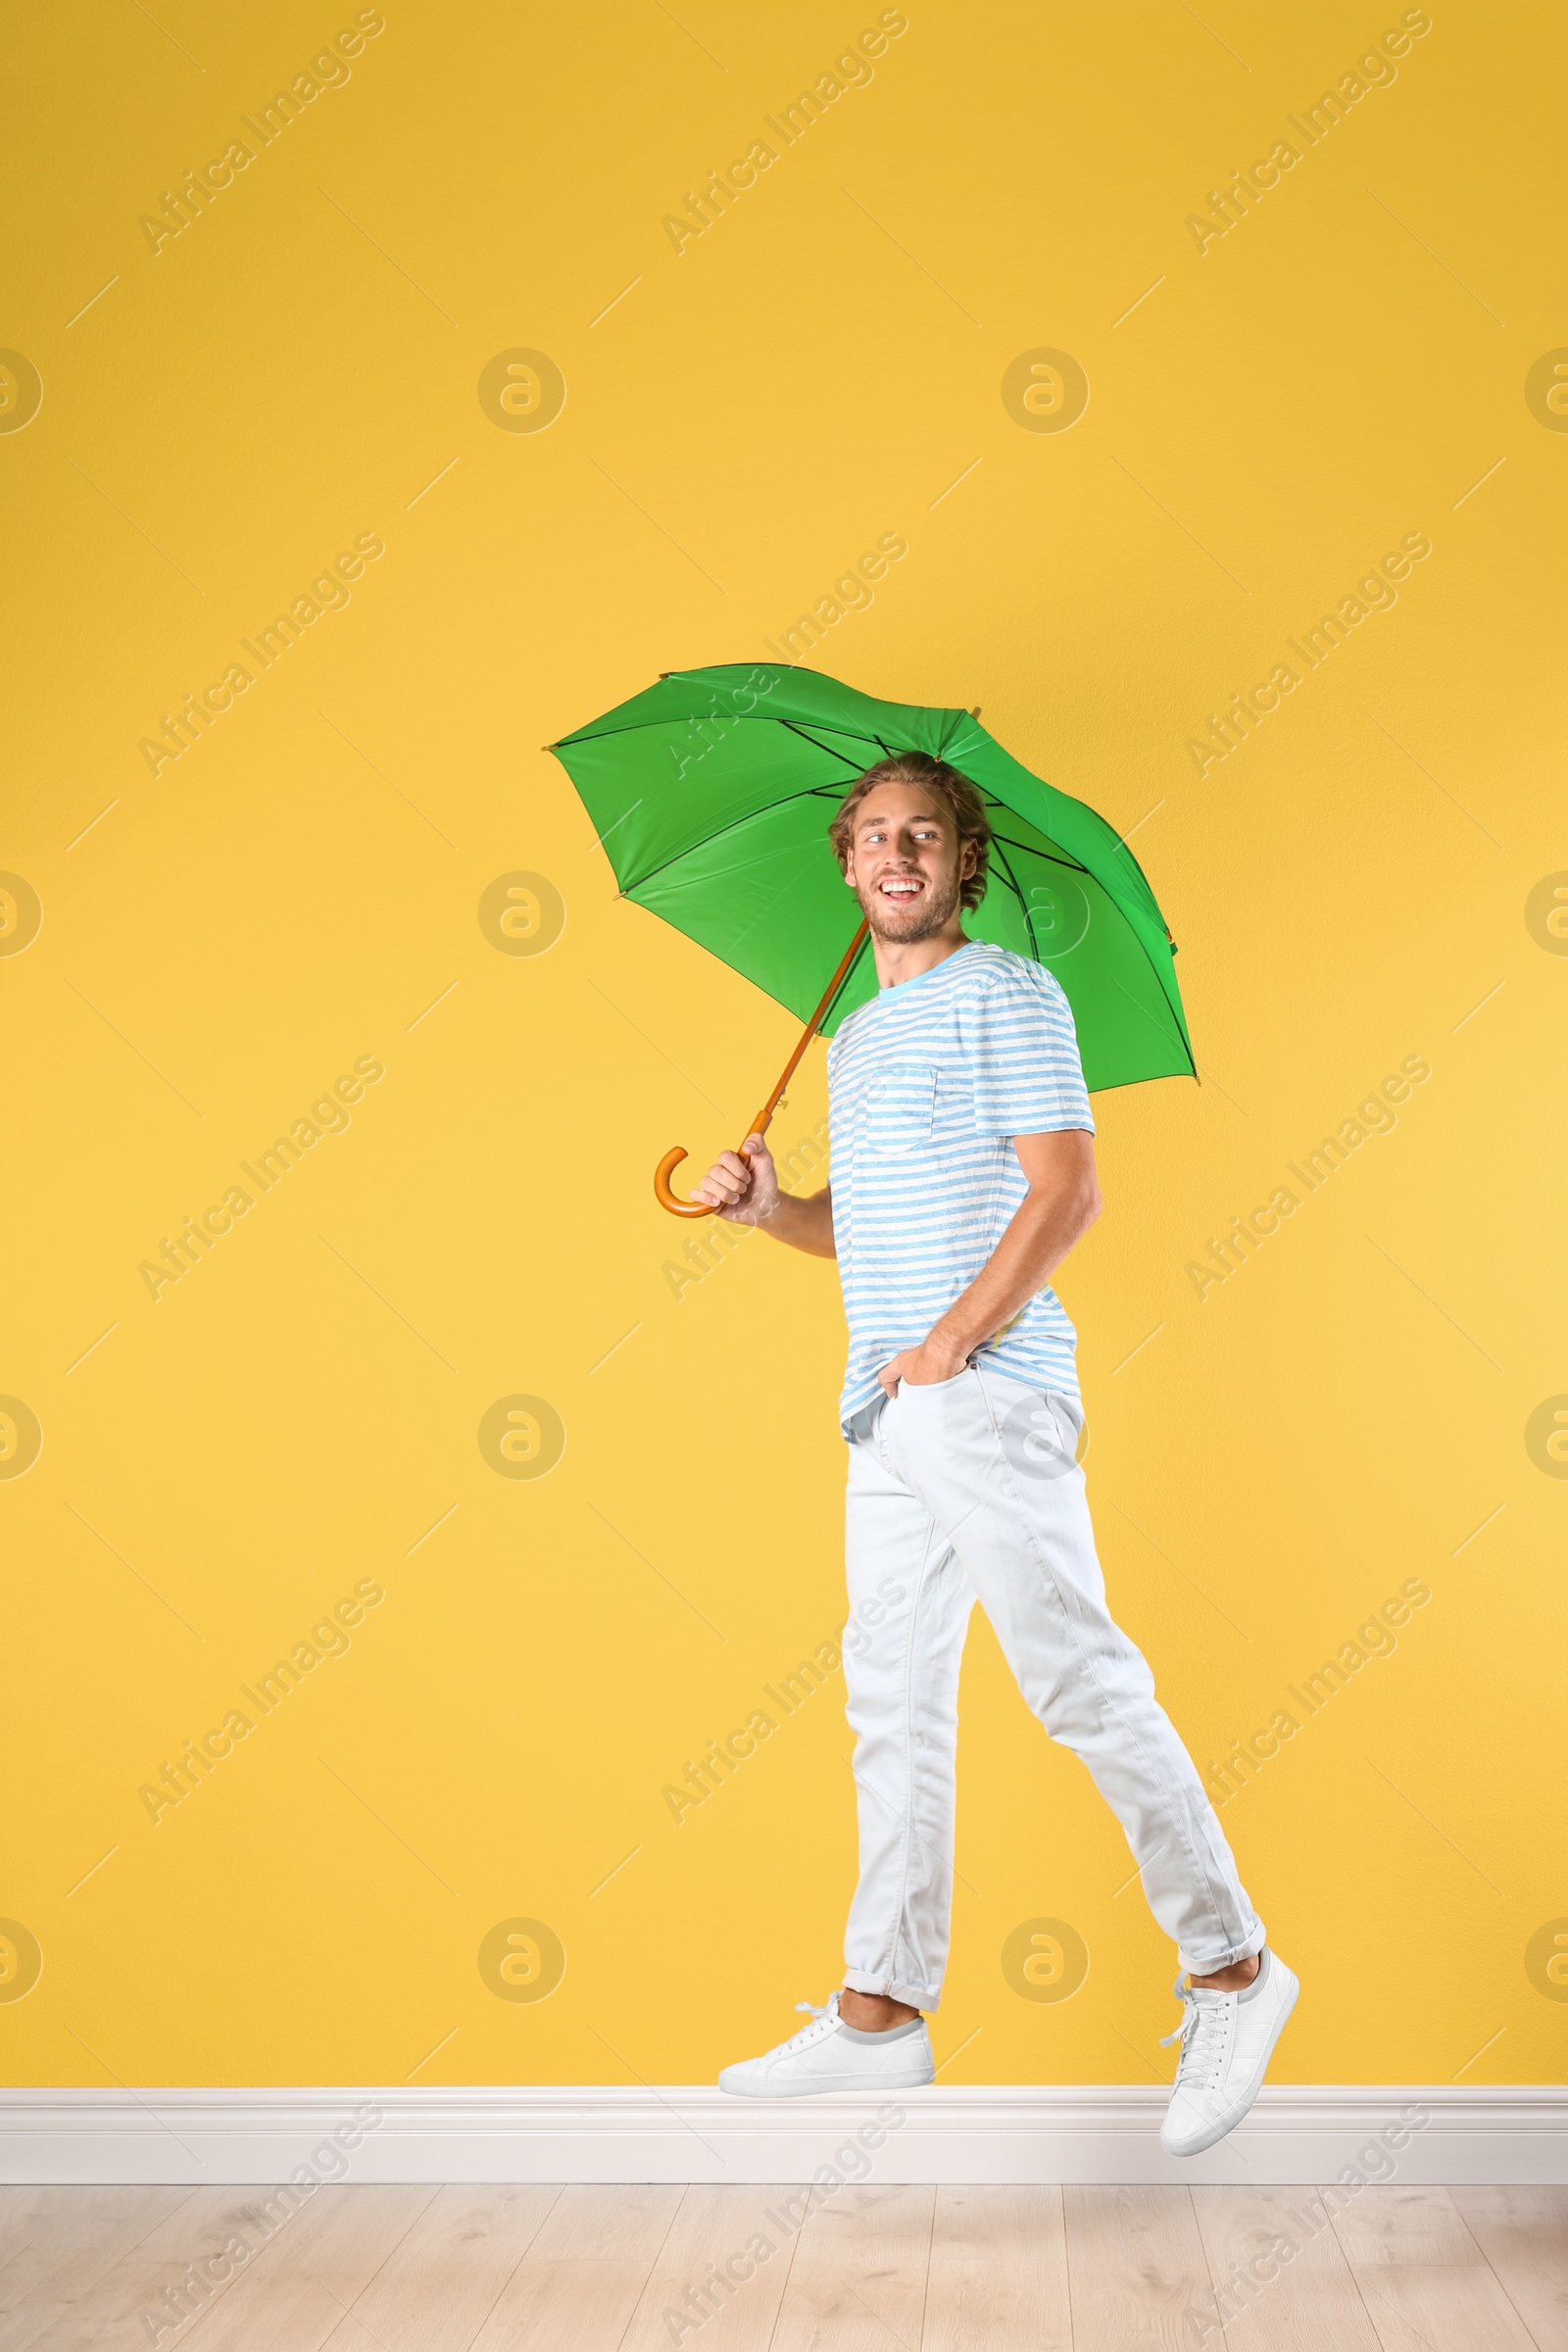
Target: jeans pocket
x=934 y=1387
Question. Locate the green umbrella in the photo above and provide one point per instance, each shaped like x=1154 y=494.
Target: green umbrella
x=711 y=794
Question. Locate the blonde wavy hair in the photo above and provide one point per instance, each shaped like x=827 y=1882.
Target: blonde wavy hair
x=940 y=783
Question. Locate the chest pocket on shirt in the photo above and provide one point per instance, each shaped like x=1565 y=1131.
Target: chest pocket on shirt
x=898 y=1108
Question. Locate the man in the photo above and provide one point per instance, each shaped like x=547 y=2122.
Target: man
x=962 y=1172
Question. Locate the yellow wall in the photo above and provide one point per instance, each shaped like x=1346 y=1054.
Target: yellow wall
x=298 y=893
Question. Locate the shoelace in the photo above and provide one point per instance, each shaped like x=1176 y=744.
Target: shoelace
x=828 y=2008
x=1201 y=2034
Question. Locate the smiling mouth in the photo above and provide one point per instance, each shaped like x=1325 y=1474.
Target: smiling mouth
x=900 y=889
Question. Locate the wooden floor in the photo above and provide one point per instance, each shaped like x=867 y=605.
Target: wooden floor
x=933 y=2270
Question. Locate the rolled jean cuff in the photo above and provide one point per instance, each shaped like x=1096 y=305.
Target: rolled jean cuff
x=860 y=1979
x=1196 y=1964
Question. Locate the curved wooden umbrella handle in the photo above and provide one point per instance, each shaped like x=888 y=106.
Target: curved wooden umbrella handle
x=670 y=1200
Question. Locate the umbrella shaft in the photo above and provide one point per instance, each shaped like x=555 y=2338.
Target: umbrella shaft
x=759 y=1125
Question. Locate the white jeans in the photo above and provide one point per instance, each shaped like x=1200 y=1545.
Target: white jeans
x=968 y=1489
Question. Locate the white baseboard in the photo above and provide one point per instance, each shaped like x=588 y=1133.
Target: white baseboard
x=1295 y=2136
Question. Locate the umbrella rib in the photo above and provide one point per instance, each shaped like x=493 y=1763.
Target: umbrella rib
x=738 y=718
x=1148 y=1016
x=794 y=729
x=566 y=743
x=1127 y=993
x=791 y=729
x=717 y=834
x=1050 y=854
x=1173 y=1010
x=807 y=791
x=735 y=718
x=1028 y=918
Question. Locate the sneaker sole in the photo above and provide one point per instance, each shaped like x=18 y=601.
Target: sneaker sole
x=1223 y=2131
x=863 y=2087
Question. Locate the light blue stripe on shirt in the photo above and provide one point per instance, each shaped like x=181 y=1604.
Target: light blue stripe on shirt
x=927 y=1086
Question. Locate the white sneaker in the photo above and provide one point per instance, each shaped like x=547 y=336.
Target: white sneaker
x=829 y=2055
x=1227 y=2039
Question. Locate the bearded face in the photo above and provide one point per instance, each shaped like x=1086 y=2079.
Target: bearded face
x=908 y=862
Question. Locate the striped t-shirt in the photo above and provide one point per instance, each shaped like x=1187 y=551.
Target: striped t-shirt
x=927 y=1086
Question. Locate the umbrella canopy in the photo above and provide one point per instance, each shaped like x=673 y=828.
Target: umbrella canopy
x=711 y=794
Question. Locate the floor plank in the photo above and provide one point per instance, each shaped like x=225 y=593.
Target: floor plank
x=1140 y=2277
x=439 y=2284
x=583 y=2274
x=606 y=2224
x=998 y=2272
x=121 y=2307
x=318 y=2261
x=1282 y=2282
x=1523 y=2232
x=1444 y=2308
x=716 y=2228
x=62 y=2241
x=860 y=2272
x=1423 y=2277
x=179 y=2254
x=27 y=2212
x=1403 y=2225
